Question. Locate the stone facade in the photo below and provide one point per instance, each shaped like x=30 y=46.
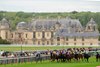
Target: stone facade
x=65 y=31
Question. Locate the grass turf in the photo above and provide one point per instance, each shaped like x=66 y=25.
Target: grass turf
x=18 y=48
x=51 y=64
x=91 y=63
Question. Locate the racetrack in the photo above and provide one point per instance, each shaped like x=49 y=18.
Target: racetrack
x=91 y=63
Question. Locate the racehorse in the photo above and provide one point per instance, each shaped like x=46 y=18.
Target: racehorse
x=97 y=57
x=38 y=57
x=86 y=57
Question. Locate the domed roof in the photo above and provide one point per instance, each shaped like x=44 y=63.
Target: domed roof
x=5 y=23
x=22 y=25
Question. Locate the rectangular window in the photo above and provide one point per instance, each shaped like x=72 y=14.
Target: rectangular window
x=58 y=43
x=26 y=35
x=11 y=35
x=74 y=43
x=74 y=38
x=6 y=35
x=91 y=44
x=47 y=42
x=33 y=34
x=66 y=43
x=51 y=43
x=52 y=34
x=66 y=38
x=38 y=42
x=19 y=35
x=58 y=38
x=89 y=27
x=82 y=43
x=43 y=34
x=82 y=38
x=43 y=43
x=34 y=43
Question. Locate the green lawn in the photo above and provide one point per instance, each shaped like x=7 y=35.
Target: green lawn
x=18 y=48
x=91 y=63
x=51 y=64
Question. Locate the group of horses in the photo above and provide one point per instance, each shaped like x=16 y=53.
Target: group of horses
x=72 y=54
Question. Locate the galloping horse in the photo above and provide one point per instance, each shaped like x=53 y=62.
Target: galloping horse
x=97 y=57
x=86 y=57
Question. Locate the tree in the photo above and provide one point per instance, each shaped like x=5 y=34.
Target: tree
x=74 y=12
x=2 y=41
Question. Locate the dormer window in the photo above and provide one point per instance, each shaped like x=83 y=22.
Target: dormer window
x=89 y=27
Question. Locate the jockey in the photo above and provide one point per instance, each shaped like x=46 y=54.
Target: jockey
x=68 y=52
x=57 y=53
x=86 y=51
x=1 y=52
x=54 y=52
x=76 y=52
x=80 y=52
x=64 y=52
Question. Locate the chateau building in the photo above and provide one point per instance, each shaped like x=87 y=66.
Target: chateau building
x=64 y=31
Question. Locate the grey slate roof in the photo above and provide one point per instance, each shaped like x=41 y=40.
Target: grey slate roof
x=22 y=25
x=50 y=23
x=64 y=33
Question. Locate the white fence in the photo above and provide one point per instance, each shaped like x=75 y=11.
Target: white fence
x=21 y=59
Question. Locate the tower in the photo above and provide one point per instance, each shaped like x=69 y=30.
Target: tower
x=4 y=29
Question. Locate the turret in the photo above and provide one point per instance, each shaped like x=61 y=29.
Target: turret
x=4 y=29
x=91 y=26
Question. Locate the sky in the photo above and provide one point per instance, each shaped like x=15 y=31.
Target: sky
x=50 y=5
